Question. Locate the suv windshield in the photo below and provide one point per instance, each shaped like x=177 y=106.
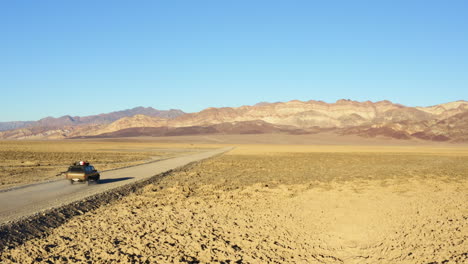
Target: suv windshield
x=76 y=169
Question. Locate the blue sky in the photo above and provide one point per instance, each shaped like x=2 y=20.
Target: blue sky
x=90 y=57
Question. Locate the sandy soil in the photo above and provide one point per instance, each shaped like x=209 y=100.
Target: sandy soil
x=279 y=207
x=323 y=138
x=24 y=162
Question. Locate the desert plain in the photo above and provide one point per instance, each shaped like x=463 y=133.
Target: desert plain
x=26 y=162
x=259 y=203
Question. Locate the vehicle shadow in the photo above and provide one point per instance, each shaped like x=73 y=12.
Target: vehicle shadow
x=104 y=181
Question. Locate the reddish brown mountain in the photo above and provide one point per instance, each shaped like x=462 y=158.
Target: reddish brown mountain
x=444 y=122
x=246 y=127
x=59 y=122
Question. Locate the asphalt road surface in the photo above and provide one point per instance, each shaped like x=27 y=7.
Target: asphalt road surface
x=29 y=200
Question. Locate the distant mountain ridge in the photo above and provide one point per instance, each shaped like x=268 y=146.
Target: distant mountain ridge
x=443 y=122
x=107 y=118
x=14 y=125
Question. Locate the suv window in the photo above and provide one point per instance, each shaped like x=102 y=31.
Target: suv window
x=76 y=169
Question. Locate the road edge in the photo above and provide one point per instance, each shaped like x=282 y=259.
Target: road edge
x=39 y=225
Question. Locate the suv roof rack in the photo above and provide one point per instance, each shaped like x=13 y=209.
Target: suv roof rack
x=78 y=163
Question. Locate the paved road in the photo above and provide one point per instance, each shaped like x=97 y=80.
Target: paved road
x=23 y=202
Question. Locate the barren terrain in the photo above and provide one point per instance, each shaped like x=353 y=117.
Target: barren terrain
x=281 y=204
x=24 y=162
x=446 y=122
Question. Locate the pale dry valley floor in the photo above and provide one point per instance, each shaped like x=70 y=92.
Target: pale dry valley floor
x=27 y=162
x=280 y=204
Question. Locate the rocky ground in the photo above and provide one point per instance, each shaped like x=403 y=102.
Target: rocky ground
x=278 y=208
x=24 y=162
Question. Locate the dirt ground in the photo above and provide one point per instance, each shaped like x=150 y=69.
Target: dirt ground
x=263 y=204
x=24 y=162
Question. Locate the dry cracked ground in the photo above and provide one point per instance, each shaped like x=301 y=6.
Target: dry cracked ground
x=25 y=162
x=278 y=207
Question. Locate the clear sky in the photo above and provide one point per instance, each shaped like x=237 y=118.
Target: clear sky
x=90 y=57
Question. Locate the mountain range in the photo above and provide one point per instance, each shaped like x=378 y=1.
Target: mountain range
x=443 y=122
x=51 y=122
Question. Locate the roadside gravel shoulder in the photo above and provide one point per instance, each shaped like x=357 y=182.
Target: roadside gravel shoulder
x=37 y=221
